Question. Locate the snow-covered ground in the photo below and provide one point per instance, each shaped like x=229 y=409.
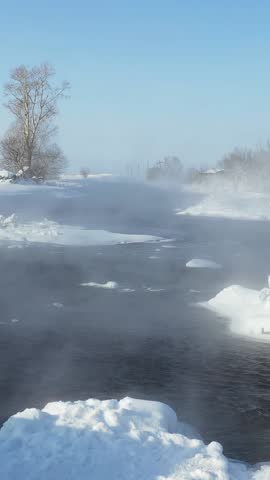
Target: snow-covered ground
x=47 y=231
x=101 y=440
x=79 y=176
x=247 y=206
x=248 y=310
x=202 y=263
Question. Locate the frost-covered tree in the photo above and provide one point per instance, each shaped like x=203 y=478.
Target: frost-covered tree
x=32 y=99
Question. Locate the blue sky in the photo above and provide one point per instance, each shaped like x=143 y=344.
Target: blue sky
x=149 y=78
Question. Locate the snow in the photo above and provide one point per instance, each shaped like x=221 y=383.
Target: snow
x=202 y=263
x=55 y=233
x=78 y=176
x=246 y=206
x=57 y=305
x=128 y=439
x=108 y=285
x=154 y=290
x=214 y=170
x=248 y=310
x=5 y=174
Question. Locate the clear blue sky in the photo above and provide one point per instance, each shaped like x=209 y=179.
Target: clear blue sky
x=149 y=77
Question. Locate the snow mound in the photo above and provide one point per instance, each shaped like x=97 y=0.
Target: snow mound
x=249 y=206
x=52 y=232
x=108 y=285
x=248 y=310
x=100 y=440
x=201 y=263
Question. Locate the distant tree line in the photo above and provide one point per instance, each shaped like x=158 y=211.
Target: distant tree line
x=28 y=148
x=241 y=168
x=170 y=168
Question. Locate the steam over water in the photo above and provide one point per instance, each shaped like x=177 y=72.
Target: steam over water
x=145 y=338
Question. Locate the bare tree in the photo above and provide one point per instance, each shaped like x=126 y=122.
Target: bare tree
x=32 y=99
x=12 y=150
x=85 y=171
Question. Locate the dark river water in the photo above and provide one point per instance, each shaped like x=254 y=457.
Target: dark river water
x=149 y=344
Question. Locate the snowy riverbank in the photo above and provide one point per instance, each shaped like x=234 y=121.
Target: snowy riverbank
x=129 y=440
x=246 y=206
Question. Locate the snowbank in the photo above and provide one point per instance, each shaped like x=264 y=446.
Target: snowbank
x=248 y=310
x=52 y=232
x=249 y=206
x=107 y=285
x=109 y=440
x=201 y=263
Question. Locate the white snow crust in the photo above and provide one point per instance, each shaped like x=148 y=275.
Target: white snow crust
x=111 y=440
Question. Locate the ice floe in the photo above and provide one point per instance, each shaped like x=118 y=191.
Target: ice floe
x=154 y=290
x=55 y=233
x=108 y=285
x=57 y=305
x=202 y=263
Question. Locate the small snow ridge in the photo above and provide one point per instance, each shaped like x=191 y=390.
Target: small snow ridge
x=248 y=310
x=108 y=285
x=202 y=263
x=128 y=439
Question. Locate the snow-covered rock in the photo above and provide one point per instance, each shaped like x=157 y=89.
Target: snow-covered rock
x=248 y=310
x=202 y=263
x=109 y=440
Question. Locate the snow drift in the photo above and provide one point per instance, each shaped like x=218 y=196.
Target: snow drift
x=55 y=233
x=101 y=440
x=248 y=310
x=202 y=263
